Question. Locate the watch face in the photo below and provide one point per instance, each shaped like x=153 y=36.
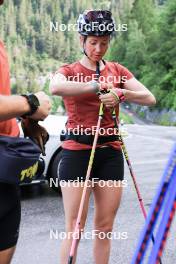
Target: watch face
x=34 y=100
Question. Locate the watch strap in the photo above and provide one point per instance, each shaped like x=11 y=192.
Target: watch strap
x=33 y=108
x=121 y=96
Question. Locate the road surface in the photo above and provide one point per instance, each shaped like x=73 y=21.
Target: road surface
x=42 y=209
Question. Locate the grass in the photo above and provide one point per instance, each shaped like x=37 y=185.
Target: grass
x=126 y=118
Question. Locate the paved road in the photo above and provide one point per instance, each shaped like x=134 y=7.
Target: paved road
x=42 y=210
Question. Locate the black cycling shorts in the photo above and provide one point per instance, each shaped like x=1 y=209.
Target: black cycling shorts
x=10 y=215
x=108 y=164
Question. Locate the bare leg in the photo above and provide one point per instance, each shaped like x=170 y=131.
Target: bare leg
x=107 y=201
x=6 y=255
x=71 y=200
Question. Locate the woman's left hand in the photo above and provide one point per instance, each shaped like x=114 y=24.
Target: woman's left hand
x=109 y=99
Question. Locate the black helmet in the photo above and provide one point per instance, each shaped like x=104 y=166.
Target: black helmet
x=96 y=23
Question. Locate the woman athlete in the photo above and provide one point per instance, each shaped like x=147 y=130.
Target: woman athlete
x=81 y=84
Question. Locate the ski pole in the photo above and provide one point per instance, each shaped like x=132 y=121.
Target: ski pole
x=171 y=217
x=164 y=226
x=167 y=182
x=129 y=165
x=131 y=170
x=91 y=159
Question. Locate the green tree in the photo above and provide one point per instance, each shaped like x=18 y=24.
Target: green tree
x=163 y=63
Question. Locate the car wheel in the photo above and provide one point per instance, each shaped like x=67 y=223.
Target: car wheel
x=52 y=174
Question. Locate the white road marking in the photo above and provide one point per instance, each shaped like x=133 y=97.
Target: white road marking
x=151 y=138
x=149 y=162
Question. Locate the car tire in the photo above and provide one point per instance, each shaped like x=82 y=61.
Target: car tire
x=52 y=173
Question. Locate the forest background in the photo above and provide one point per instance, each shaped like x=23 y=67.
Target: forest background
x=147 y=48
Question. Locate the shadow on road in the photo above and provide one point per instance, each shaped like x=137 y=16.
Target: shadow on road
x=30 y=192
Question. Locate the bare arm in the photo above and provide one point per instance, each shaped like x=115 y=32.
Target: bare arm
x=16 y=105
x=137 y=93
x=12 y=106
x=134 y=92
x=60 y=86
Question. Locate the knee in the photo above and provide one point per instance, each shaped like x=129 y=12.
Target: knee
x=104 y=223
x=103 y=229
